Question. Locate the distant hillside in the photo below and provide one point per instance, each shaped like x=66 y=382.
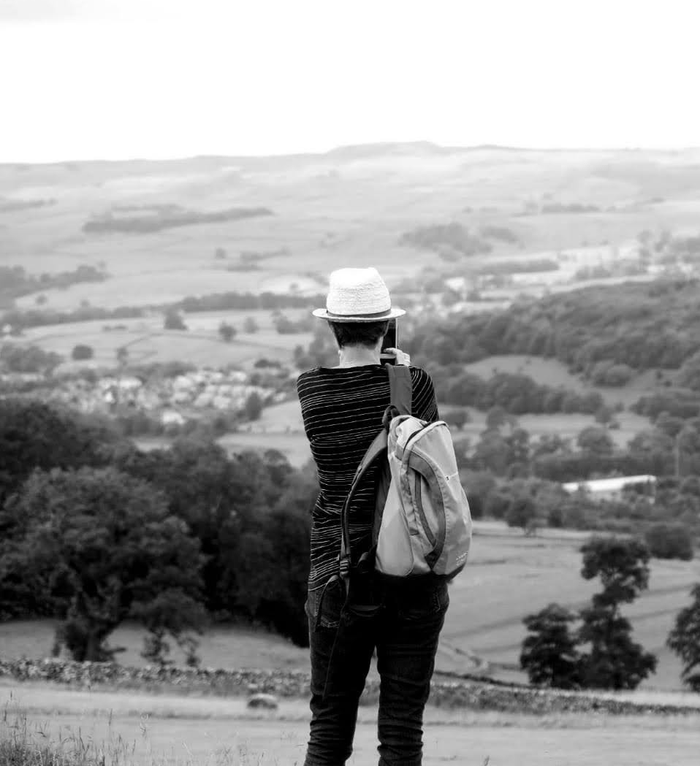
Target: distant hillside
x=642 y=325
x=354 y=205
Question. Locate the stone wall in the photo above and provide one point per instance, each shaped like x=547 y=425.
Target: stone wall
x=464 y=693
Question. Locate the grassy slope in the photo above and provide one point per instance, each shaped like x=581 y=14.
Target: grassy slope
x=509 y=576
x=332 y=211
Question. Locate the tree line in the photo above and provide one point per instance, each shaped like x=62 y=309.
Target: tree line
x=15 y=281
x=642 y=325
x=593 y=647
x=94 y=531
x=227 y=301
x=167 y=217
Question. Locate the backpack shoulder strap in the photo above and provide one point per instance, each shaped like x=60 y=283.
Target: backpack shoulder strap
x=401 y=397
x=376 y=450
x=401 y=387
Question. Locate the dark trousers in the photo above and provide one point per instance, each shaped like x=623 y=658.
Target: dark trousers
x=403 y=624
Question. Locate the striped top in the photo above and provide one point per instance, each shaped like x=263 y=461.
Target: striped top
x=342 y=408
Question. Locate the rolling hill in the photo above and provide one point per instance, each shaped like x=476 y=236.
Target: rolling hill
x=347 y=207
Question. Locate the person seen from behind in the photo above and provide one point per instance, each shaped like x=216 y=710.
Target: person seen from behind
x=342 y=409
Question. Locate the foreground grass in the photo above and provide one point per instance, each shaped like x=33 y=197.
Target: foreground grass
x=45 y=725
x=26 y=744
x=22 y=746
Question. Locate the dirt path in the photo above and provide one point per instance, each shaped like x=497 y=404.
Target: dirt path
x=170 y=730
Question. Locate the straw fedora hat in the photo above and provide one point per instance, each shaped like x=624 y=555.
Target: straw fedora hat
x=357 y=295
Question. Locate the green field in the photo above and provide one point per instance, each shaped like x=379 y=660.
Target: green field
x=509 y=576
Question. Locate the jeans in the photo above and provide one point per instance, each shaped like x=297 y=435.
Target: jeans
x=403 y=623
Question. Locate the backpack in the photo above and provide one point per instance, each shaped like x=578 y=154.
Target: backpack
x=422 y=522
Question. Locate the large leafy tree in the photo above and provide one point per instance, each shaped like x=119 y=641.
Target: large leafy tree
x=102 y=547
x=549 y=653
x=614 y=661
x=621 y=564
x=37 y=435
x=684 y=640
x=251 y=516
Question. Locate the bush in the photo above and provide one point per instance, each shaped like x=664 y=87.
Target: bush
x=227 y=332
x=521 y=513
x=82 y=351
x=173 y=320
x=497 y=504
x=670 y=541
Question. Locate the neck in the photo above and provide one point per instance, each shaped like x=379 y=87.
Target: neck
x=357 y=356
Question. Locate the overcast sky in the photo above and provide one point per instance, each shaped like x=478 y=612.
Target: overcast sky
x=113 y=79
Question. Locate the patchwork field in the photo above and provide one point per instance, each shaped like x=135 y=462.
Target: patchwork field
x=346 y=207
x=147 y=341
x=508 y=577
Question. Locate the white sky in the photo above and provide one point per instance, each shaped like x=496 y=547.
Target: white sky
x=113 y=79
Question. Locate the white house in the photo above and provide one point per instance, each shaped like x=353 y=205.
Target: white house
x=608 y=489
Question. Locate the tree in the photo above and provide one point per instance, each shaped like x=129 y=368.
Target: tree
x=497 y=416
x=173 y=320
x=595 y=440
x=253 y=406
x=550 y=444
x=456 y=417
x=670 y=541
x=106 y=549
x=81 y=351
x=37 y=435
x=492 y=453
x=31 y=359
x=250 y=325
x=549 y=654
x=227 y=332
x=522 y=513
x=621 y=564
x=684 y=640
x=614 y=660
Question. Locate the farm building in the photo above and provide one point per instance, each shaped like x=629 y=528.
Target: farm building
x=609 y=489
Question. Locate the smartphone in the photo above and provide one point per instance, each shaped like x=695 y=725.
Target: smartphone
x=391 y=340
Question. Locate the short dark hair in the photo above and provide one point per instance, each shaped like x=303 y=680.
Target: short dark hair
x=359 y=333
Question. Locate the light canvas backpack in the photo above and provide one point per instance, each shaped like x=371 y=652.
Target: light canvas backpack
x=422 y=520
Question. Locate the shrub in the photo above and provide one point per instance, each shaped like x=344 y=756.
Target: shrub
x=227 y=332
x=497 y=504
x=82 y=351
x=670 y=541
x=173 y=321
x=521 y=513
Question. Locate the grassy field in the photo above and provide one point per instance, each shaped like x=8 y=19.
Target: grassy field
x=147 y=341
x=508 y=577
x=341 y=208
x=162 y=730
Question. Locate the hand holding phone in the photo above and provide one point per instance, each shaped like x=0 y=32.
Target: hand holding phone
x=399 y=357
x=390 y=344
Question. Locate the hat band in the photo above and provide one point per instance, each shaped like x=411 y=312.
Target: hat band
x=378 y=314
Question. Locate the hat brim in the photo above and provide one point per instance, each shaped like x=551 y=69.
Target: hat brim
x=391 y=314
